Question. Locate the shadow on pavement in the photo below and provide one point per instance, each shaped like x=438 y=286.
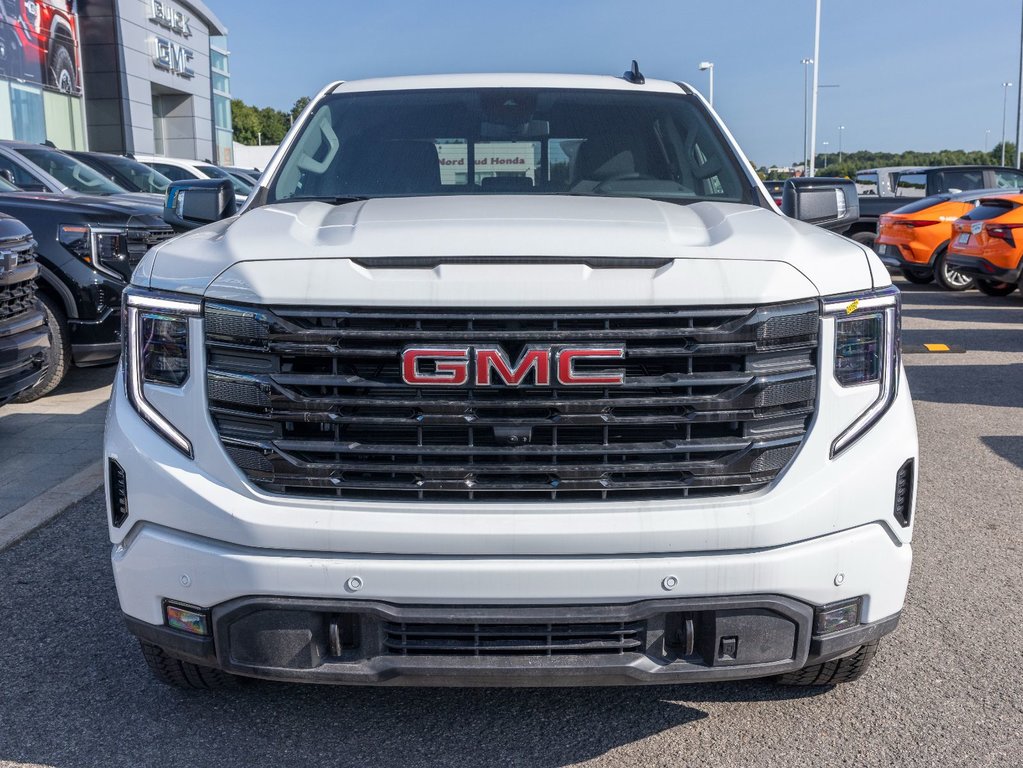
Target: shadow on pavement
x=1009 y=447
x=997 y=385
x=74 y=692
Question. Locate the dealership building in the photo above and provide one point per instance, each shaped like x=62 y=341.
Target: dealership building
x=139 y=76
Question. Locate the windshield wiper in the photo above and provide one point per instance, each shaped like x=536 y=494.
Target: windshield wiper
x=332 y=199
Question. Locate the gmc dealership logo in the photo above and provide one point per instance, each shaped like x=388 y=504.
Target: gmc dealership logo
x=489 y=366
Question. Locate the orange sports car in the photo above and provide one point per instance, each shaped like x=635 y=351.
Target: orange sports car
x=915 y=237
x=987 y=244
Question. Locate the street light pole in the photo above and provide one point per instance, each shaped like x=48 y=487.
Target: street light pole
x=806 y=149
x=816 y=69
x=825 y=152
x=1019 y=90
x=840 y=129
x=1005 y=100
x=987 y=136
x=705 y=65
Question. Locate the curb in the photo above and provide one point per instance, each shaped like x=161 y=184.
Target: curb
x=21 y=522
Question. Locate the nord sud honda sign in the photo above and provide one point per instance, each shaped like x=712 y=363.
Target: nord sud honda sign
x=168 y=54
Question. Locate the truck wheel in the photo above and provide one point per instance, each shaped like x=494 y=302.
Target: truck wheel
x=993 y=288
x=866 y=238
x=184 y=674
x=62 y=67
x=950 y=278
x=918 y=276
x=60 y=353
x=833 y=672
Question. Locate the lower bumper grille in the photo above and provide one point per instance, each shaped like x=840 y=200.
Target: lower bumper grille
x=513 y=639
x=314 y=402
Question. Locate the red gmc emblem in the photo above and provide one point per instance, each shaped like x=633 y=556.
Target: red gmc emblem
x=488 y=366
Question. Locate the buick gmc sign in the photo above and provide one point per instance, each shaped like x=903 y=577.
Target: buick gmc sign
x=169 y=55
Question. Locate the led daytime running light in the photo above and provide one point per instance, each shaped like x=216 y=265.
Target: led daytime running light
x=135 y=305
x=888 y=301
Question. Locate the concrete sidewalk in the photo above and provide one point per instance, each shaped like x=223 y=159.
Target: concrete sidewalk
x=50 y=450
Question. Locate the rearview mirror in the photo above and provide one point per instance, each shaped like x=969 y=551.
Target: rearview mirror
x=197 y=202
x=830 y=203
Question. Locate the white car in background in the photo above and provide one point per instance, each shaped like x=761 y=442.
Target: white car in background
x=180 y=169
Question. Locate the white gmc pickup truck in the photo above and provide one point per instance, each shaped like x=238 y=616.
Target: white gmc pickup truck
x=510 y=380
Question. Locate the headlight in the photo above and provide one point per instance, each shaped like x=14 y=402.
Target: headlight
x=867 y=331
x=155 y=329
x=104 y=249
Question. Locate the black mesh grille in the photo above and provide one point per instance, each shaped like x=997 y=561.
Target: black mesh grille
x=141 y=240
x=312 y=402
x=18 y=295
x=615 y=638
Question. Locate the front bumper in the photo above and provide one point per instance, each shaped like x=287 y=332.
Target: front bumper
x=767 y=595
x=657 y=641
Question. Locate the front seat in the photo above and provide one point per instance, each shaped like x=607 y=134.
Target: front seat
x=602 y=158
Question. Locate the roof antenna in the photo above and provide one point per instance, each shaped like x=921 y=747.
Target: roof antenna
x=634 y=76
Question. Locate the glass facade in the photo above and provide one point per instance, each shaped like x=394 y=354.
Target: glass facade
x=220 y=79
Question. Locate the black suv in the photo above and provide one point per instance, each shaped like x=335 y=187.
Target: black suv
x=24 y=340
x=87 y=249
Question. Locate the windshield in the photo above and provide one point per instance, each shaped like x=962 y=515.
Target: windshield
x=144 y=178
x=510 y=141
x=70 y=172
x=240 y=188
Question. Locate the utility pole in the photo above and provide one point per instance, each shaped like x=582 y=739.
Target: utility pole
x=1019 y=89
x=816 y=70
x=840 y=129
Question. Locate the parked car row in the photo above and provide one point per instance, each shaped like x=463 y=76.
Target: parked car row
x=960 y=240
x=73 y=226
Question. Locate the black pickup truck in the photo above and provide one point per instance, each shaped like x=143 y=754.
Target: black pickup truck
x=24 y=340
x=882 y=190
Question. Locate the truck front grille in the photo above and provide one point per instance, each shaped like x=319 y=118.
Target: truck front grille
x=17 y=280
x=311 y=402
x=141 y=240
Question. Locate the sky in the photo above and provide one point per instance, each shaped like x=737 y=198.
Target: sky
x=911 y=74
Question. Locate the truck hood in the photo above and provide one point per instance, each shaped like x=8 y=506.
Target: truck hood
x=82 y=204
x=711 y=252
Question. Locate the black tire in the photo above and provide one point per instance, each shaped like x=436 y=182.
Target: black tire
x=918 y=276
x=59 y=361
x=184 y=674
x=993 y=288
x=867 y=238
x=949 y=278
x=833 y=672
x=61 y=73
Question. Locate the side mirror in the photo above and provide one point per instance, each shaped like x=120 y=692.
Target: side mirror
x=197 y=202
x=826 y=202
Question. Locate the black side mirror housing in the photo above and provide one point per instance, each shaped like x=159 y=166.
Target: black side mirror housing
x=830 y=203
x=197 y=202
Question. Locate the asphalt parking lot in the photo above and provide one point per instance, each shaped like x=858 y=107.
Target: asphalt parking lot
x=947 y=688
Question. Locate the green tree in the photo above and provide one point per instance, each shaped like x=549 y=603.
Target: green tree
x=300 y=104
